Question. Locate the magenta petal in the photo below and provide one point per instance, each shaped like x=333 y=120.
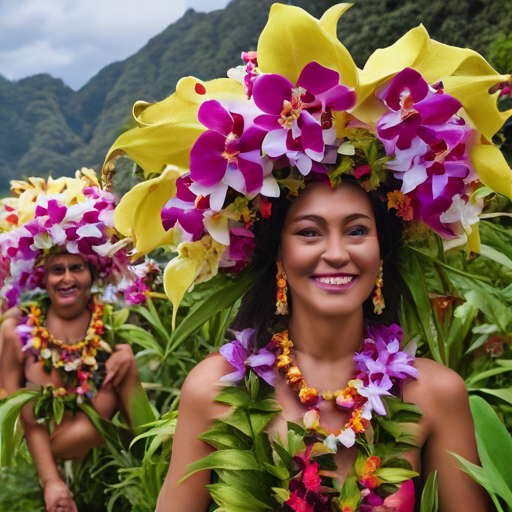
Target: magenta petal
x=262 y=358
x=252 y=139
x=267 y=373
x=252 y=171
x=270 y=91
x=311 y=133
x=207 y=165
x=56 y=212
x=438 y=108
x=339 y=98
x=192 y=222
x=407 y=79
x=183 y=191
x=268 y=122
x=215 y=117
x=403 y=500
x=318 y=79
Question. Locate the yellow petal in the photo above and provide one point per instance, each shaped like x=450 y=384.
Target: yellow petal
x=138 y=213
x=55 y=186
x=179 y=275
x=292 y=38
x=167 y=130
x=473 y=244
x=465 y=74
x=492 y=168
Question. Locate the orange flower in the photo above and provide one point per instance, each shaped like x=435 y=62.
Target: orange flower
x=402 y=203
x=294 y=377
x=308 y=396
x=368 y=477
x=357 y=423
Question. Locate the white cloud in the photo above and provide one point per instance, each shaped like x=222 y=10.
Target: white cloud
x=74 y=39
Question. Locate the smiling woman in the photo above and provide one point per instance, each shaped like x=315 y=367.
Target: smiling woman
x=305 y=169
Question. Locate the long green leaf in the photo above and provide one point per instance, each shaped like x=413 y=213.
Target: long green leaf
x=429 y=496
x=488 y=373
x=503 y=393
x=494 y=446
x=198 y=314
x=9 y=413
x=234 y=460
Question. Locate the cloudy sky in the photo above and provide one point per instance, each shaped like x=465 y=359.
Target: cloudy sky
x=74 y=39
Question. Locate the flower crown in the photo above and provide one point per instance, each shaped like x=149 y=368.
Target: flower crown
x=71 y=215
x=419 y=116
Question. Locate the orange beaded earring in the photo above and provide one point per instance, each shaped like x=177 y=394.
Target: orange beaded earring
x=282 y=288
x=378 y=298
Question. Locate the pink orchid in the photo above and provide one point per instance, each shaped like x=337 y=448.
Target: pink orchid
x=298 y=117
x=228 y=154
x=241 y=248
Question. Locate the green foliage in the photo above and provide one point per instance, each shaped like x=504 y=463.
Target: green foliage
x=495 y=452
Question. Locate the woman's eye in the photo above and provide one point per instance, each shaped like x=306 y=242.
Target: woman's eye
x=57 y=271
x=77 y=268
x=358 y=231
x=308 y=233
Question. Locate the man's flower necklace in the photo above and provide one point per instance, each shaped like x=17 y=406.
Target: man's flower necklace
x=75 y=362
x=380 y=368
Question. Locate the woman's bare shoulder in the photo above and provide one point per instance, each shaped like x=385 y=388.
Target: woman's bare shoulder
x=9 y=321
x=203 y=384
x=437 y=390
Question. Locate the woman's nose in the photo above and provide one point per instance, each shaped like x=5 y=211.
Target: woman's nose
x=335 y=252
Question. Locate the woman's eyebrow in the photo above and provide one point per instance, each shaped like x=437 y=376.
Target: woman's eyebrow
x=319 y=219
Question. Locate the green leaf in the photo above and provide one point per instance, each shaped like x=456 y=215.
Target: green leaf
x=494 y=447
x=233 y=395
x=235 y=500
x=238 y=419
x=278 y=471
x=493 y=308
x=136 y=335
x=104 y=427
x=395 y=475
x=198 y=314
x=488 y=373
x=235 y=460
x=58 y=410
x=120 y=317
x=282 y=495
x=503 y=393
x=495 y=255
x=9 y=412
x=429 y=496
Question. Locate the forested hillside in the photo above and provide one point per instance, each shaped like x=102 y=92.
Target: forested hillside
x=46 y=126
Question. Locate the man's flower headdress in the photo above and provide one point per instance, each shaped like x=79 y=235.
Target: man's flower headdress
x=419 y=115
x=73 y=215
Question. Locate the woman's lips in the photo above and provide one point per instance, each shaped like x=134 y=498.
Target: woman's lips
x=66 y=292
x=334 y=282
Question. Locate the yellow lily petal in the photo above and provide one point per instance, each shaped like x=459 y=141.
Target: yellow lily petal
x=55 y=186
x=138 y=213
x=473 y=244
x=179 y=275
x=167 y=130
x=292 y=38
x=492 y=168
x=465 y=74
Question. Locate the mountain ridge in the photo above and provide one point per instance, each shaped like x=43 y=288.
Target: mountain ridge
x=47 y=126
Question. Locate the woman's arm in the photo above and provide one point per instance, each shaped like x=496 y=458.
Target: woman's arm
x=56 y=493
x=442 y=396
x=196 y=412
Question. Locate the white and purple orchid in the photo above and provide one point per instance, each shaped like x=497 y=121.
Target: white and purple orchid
x=228 y=154
x=381 y=364
x=242 y=354
x=298 y=118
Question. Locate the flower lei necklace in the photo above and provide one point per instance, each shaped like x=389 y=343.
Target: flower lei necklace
x=76 y=363
x=381 y=369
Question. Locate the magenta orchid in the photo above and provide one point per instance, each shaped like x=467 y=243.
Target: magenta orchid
x=185 y=209
x=228 y=154
x=241 y=355
x=298 y=117
x=241 y=248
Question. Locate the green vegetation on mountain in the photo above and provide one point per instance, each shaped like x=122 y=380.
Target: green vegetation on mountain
x=46 y=126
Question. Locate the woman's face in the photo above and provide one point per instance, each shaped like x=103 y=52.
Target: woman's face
x=330 y=249
x=68 y=282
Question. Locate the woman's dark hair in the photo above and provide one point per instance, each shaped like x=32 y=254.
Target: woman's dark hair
x=258 y=307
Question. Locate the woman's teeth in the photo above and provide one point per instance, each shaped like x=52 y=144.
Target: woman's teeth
x=335 y=280
x=67 y=291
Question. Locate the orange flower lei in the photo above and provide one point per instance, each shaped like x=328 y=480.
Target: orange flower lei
x=75 y=362
x=348 y=398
